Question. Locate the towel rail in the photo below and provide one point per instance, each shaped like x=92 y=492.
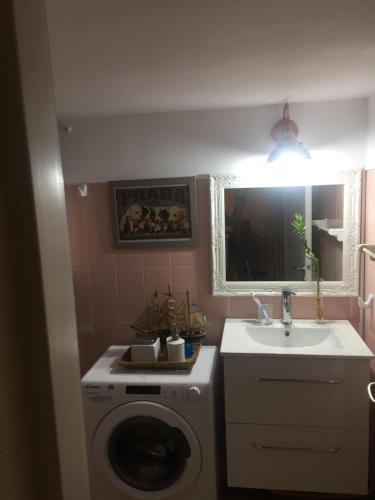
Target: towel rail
x=368 y=250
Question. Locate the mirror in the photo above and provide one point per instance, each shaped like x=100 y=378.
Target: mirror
x=260 y=244
x=255 y=248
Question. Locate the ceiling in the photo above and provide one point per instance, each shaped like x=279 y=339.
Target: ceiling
x=131 y=56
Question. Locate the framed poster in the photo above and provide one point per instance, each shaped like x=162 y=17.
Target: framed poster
x=154 y=212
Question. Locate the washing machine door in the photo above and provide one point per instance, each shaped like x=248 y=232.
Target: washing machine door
x=146 y=450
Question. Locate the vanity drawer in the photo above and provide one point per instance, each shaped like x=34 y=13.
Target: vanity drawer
x=292 y=391
x=297 y=458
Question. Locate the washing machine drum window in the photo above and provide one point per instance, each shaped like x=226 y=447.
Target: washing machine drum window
x=145 y=450
x=148 y=454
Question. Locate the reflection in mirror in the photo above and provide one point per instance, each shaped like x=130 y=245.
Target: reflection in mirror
x=260 y=243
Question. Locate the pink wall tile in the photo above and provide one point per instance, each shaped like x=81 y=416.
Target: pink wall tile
x=369 y=320
x=126 y=333
x=180 y=297
x=86 y=359
x=204 y=271
x=186 y=278
x=334 y=309
x=129 y=258
x=85 y=335
x=157 y=278
x=156 y=258
x=185 y=258
x=103 y=281
x=216 y=308
x=101 y=254
x=276 y=303
x=214 y=331
x=243 y=307
x=105 y=335
x=79 y=252
x=370 y=326
x=130 y=281
x=83 y=308
x=81 y=281
x=130 y=306
x=304 y=307
x=104 y=308
x=70 y=190
x=75 y=212
x=354 y=312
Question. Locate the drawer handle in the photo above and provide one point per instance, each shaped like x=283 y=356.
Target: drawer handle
x=330 y=381
x=330 y=451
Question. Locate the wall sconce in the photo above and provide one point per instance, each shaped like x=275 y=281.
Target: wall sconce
x=284 y=133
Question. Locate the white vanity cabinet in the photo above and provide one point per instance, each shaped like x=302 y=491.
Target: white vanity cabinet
x=297 y=423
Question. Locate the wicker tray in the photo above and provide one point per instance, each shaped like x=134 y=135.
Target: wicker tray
x=162 y=363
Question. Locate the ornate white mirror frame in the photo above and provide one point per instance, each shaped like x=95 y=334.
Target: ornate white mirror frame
x=270 y=176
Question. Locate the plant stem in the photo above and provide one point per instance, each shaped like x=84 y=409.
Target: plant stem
x=299 y=228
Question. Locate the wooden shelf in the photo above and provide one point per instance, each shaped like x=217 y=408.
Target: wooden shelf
x=328 y=226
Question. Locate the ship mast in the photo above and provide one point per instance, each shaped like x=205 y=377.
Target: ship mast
x=171 y=305
x=188 y=310
x=156 y=309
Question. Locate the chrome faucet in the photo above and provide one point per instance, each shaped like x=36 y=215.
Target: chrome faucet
x=286 y=318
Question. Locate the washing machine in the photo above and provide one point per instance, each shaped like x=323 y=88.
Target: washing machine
x=151 y=435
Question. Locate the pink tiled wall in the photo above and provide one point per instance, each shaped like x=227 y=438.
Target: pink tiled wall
x=369 y=321
x=369 y=318
x=112 y=286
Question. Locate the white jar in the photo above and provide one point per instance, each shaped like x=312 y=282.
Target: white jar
x=176 y=349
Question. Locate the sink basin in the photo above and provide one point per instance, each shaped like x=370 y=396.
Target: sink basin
x=291 y=336
x=302 y=338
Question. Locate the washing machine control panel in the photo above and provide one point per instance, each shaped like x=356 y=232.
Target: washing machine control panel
x=136 y=390
x=166 y=392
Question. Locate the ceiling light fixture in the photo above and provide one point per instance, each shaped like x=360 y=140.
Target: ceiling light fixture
x=284 y=133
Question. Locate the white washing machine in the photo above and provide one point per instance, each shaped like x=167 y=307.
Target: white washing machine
x=151 y=435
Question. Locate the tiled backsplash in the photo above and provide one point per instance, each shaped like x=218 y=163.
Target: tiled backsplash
x=112 y=286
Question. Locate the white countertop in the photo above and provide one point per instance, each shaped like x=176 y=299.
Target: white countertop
x=303 y=338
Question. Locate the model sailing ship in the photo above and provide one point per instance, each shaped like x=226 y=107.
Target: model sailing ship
x=168 y=316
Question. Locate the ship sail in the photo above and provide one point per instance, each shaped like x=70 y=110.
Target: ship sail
x=149 y=319
x=197 y=320
x=189 y=320
x=182 y=316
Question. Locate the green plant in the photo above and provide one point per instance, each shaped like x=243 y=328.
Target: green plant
x=299 y=229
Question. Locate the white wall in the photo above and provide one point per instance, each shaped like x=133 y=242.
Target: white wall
x=370 y=162
x=207 y=142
